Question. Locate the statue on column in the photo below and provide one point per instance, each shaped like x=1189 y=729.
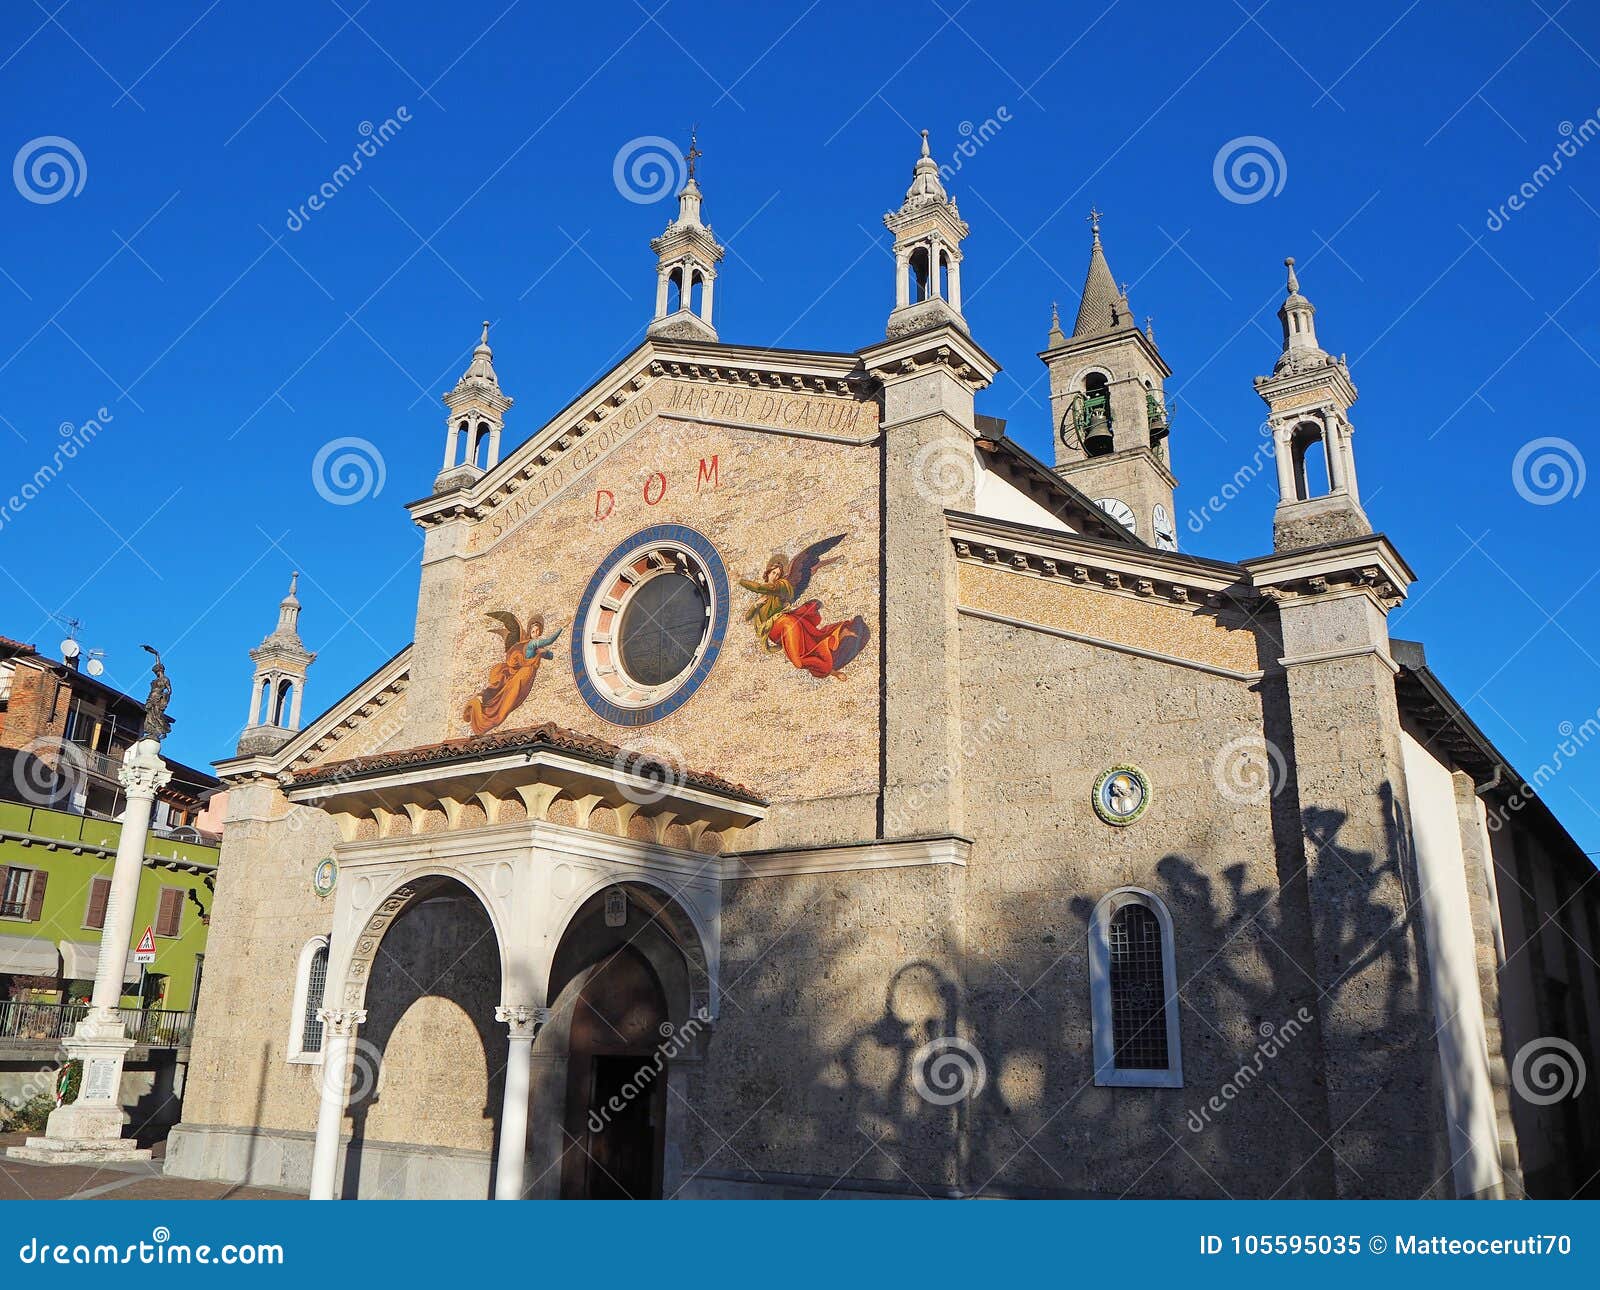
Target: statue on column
x=156 y=721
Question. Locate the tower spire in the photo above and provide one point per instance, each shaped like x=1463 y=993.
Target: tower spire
x=927 y=252
x=1056 y=336
x=1298 y=316
x=687 y=256
x=1308 y=398
x=278 y=683
x=477 y=411
x=1103 y=307
x=1108 y=405
x=289 y=612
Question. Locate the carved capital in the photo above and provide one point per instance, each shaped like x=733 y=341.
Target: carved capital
x=342 y=1021
x=142 y=771
x=523 y=1020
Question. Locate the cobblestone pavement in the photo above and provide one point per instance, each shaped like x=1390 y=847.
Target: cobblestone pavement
x=20 y=1180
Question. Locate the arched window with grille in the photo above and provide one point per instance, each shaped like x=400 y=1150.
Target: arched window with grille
x=1133 y=991
x=310 y=984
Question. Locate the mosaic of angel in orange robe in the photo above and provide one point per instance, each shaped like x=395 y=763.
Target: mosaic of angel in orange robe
x=783 y=622
x=512 y=677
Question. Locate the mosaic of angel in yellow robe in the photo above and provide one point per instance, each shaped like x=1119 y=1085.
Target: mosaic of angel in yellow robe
x=512 y=677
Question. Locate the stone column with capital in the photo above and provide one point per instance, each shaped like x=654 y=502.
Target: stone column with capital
x=89 y=1130
x=339 y=1026
x=523 y=1023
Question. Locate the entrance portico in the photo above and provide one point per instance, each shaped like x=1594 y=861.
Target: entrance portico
x=595 y=868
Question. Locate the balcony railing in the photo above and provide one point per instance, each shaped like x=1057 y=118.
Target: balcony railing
x=151 y=1027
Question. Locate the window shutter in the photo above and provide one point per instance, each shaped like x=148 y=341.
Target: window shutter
x=169 y=914
x=99 y=895
x=36 y=895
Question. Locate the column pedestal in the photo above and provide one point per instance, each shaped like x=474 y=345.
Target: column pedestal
x=89 y=1131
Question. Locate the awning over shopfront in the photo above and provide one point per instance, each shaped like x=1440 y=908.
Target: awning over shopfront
x=27 y=956
x=78 y=962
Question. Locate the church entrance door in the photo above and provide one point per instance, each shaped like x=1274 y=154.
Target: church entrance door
x=617 y=1084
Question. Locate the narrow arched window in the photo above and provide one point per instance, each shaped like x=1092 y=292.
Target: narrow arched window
x=1133 y=992
x=310 y=987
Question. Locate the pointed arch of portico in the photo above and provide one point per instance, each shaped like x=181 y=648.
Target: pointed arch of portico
x=672 y=910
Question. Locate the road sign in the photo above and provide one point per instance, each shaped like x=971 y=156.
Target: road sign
x=146 y=951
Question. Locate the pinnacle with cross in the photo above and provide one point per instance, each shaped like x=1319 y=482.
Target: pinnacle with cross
x=1094 y=222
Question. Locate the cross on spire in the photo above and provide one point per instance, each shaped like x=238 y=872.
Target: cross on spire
x=1094 y=222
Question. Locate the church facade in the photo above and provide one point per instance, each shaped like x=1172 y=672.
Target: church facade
x=796 y=788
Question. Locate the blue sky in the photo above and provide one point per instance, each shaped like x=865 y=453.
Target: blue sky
x=231 y=338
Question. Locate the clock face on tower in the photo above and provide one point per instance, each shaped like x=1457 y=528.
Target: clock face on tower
x=1161 y=523
x=1117 y=510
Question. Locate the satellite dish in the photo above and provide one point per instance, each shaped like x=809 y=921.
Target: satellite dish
x=95 y=667
x=69 y=648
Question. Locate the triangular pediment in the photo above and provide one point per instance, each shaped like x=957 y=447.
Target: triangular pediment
x=665 y=381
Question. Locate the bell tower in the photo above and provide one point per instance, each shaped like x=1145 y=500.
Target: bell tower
x=927 y=253
x=278 y=685
x=1108 y=405
x=687 y=256
x=1308 y=398
x=476 y=418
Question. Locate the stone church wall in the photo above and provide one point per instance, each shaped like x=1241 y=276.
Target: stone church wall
x=1207 y=846
x=830 y=983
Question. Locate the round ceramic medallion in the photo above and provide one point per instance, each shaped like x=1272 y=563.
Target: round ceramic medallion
x=1121 y=794
x=650 y=625
x=325 y=876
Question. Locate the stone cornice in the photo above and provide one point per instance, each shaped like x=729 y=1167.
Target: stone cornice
x=944 y=346
x=1305 y=376
x=1367 y=565
x=508 y=840
x=1141 y=572
x=898 y=854
x=1088 y=345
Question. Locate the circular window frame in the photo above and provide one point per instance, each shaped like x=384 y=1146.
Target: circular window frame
x=596 y=655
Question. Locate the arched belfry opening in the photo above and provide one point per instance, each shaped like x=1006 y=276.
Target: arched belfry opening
x=1310 y=461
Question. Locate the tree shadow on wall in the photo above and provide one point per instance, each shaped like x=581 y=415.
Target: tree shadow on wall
x=1257 y=994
